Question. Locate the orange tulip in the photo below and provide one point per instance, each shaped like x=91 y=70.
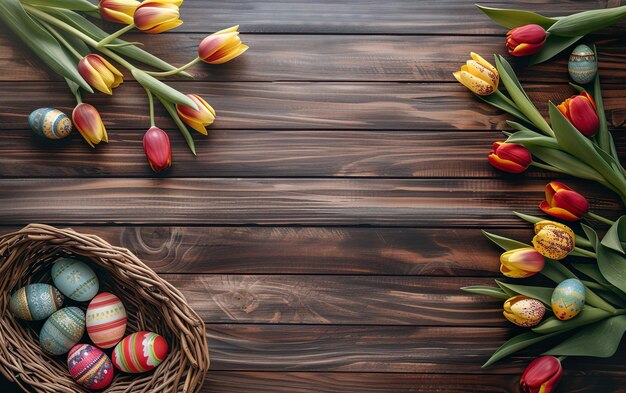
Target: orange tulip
x=157 y=16
x=99 y=73
x=156 y=145
x=526 y=40
x=197 y=119
x=581 y=111
x=562 y=202
x=89 y=123
x=510 y=157
x=221 y=46
x=118 y=11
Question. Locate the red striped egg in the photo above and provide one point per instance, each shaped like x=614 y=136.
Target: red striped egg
x=140 y=352
x=90 y=367
x=106 y=320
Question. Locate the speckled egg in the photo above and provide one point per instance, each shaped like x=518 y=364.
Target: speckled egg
x=50 y=123
x=35 y=302
x=582 y=65
x=106 y=320
x=568 y=299
x=75 y=279
x=62 y=330
x=90 y=367
x=140 y=352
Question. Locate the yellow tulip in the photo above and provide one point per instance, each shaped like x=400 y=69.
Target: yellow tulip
x=521 y=263
x=99 y=73
x=118 y=11
x=222 y=46
x=197 y=119
x=524 y=311
x=157 y=16
x=478 y=75
x=553 y=240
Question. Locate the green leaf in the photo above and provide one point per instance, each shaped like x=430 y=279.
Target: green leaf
x=497 y=101
x=553 y=46
x=518 y=343
x=587 y=316
x=42 y=43
x=615 y=237
x=542 y=294
x=76 y=5
x=528 y=217
x=161 y=89
x=505 y=243
x=552 y=272
x=583 y=23
x=510 y=18
x=612 y=266
x=592 y=271
x=566 y=163
x=527 y=136
x=599 y=340
x=181 y=126
x=486 y=291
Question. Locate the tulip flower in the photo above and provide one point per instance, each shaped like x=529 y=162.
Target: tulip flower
x=156 y=145
x=89 y=123
x=118 y=11
x=157 y=16
x=478 y=75
x=197 y=119
x=542 y=375
x=525 y=40
x=564 y=203
x=222 y=46
x=521 y=263
x=581 y=111
x=524 y=311
x=99 y=73
x=553 y=240
x=510 y=157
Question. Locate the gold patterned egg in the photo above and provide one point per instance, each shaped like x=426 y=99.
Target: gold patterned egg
x=62 y=330
x=582 y=65
x=50 y=123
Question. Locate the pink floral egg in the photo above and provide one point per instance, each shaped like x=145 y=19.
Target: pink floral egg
x=140 y=352
x=90 y=367
x=106 y=320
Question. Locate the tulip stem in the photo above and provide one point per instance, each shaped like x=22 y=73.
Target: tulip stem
x=111 y=37
x=62 y=40
x=600 y=218
x=176 y=71
x=561 y=358
x=585 y=253
x=151 y=103
x=546 y=167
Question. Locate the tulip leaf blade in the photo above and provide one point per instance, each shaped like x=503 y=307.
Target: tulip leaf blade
x=612 y=265
x=553 y=46
x=518 y=343
x=161 y=89
x=566 y=163
x=496 y=100
x=495 y=292
x=583 y=23
x=181 y=126
x=75 y=5
x=525 y=135
x=592 y=271
x=511 y=18
x=587 y=316
x=600 y=339
x=504 y=243
x=543 y=294
x=615 y=237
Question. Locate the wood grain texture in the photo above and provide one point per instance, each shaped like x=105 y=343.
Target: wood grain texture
x=306 y=105
x=322 y=202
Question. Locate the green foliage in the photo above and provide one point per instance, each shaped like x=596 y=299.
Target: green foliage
x=505 y=243
x=583 y=23
x=600 y=339
x=510 y=18
x=495 y=292
x=587 y=316
x=76 y=5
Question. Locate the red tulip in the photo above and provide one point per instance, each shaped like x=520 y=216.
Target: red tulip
x=562 y=202
x=156 y=145
x=510 y=157
x=526 y=40
x=581 y=111
x=542 y=375
x=89 y=123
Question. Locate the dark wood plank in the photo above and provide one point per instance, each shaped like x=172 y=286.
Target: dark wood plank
x=323 y=202
x=383 y=349
x=280 y=57
x=290 y=105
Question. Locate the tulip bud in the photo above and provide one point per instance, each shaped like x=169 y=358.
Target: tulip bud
x=99 y=73
x=562 y=202
x=581 y=111
x=156 y=145
x=197 y=119
x=523 y=311
x=89 y=123
x=542 y=375
x=478 y=75
x=553 y=240
x=526 y=40
x=222 y=46
x=157 y=16
x=521 y=263
x=118 y=11
x=510 y=157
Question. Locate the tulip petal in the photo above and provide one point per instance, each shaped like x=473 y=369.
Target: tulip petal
x=505 y=165
x=475 y=84
x=476 y=69
x=240 y=50
x=483 y=62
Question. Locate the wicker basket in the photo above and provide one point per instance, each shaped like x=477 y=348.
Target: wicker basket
x=151 y=303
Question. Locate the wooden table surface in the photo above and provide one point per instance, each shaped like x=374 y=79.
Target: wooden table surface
x=334 y=210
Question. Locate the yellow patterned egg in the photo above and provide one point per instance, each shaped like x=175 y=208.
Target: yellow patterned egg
x=62 y=330
x=568 y=299
x=50 y=123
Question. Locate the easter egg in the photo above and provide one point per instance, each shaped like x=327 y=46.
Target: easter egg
x=568 y=299
x=75 y=279
x=62 y=330
x=90 y=367
x=139 y=352
x=50 y=123
x=106 y=320
x=35 y=302
x=582 y=65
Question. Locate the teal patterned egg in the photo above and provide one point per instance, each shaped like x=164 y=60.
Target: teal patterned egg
x=35 y=302
x=568 y=299
x=582 y=65
x=62 y=330
x=50 y=123
x=75 y=279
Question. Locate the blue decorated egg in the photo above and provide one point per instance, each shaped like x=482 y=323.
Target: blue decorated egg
x=35 y=302
x=62 y=330
x=50 y=123
x=75 y=279
x=582 y=65
x=568 y=299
